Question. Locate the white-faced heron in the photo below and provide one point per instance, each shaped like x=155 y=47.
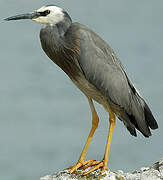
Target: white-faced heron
x=94 y=68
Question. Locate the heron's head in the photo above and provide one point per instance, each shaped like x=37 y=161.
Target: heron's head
x=45 y=15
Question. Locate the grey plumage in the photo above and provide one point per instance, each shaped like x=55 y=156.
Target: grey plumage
x=95 y=61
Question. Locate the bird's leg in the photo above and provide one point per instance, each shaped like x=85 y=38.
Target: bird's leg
x=111 y=128
x=95 y=121
x=104 y=162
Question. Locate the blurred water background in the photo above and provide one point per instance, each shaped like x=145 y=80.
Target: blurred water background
x=45 y=119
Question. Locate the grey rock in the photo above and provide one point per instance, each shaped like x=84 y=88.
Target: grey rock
x=154 y=172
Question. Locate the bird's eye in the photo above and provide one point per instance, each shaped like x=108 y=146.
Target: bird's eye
x=45 y=13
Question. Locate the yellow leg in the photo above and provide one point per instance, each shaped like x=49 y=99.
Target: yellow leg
x=104 y=162
x=111 y=128
x=95 y=121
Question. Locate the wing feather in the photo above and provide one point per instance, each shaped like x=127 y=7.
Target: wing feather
x=97 y=60
x=103 y=69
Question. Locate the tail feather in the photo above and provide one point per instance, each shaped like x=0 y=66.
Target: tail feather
x=126 y=120
x=133 y=121
x=149 y=117
x=131 y=130
x=137 y=115
x=141 y=116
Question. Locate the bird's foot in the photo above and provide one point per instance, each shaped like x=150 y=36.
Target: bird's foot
x=86 y=164
x=96 y=165
x=80 y=164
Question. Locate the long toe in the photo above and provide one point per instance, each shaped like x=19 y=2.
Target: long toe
x=90 y=164
x=79 y=165
x=96 y=165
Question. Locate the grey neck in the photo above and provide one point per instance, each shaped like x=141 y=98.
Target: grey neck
x=53 y=36
x=64 y=25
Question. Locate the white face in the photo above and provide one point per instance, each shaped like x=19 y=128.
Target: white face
x=56 y=15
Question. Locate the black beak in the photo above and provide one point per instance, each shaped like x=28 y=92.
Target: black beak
x=24 y=16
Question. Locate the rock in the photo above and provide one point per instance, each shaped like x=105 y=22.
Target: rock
x=155 y=172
